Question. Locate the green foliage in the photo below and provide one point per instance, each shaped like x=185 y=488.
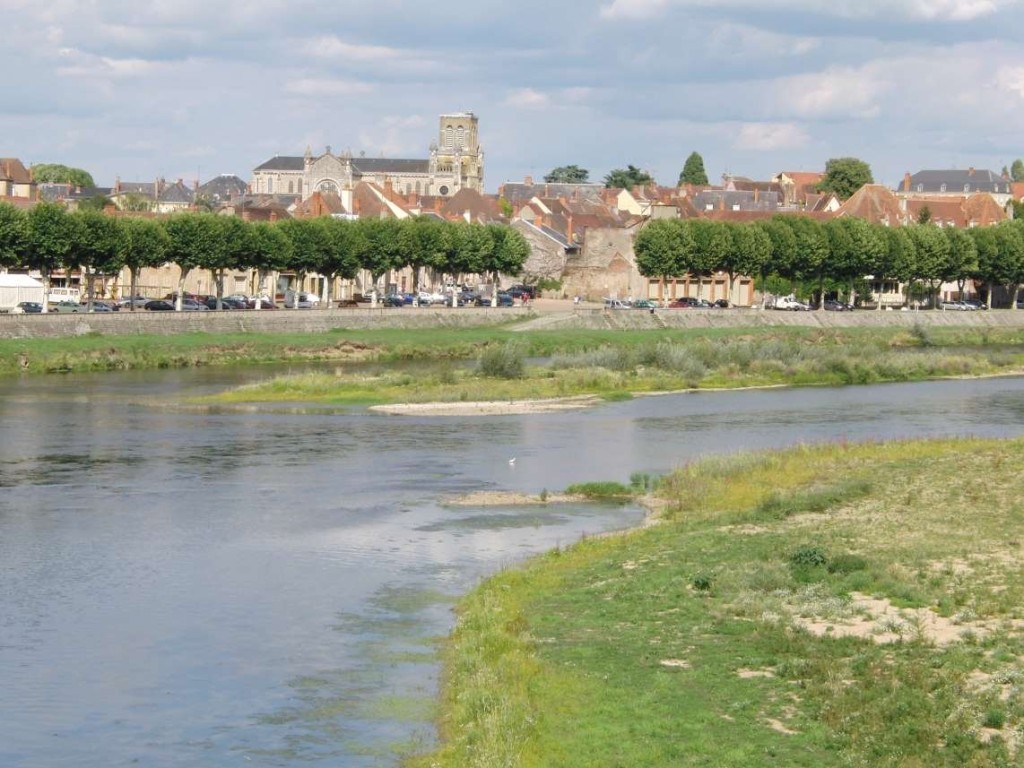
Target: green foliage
x=548 y=284
x=13 y=235
x=844 y=176
x=600 y=490
x=702 y=582
x=1017 y=170
x=693 y=171
x=568 y=174
x=61 y=174
x=504 y=361
x=627 y=178
x=808 y=556
x=642 y=482
x=924 y=214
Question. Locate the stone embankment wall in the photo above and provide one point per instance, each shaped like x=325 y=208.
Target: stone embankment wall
x=250 y=321
x=557 y=314
x=739 y=318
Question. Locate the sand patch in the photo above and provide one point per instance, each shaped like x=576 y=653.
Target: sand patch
x=488 y=407
x=509 y=499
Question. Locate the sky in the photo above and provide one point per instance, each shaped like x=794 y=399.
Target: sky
x=195 y=88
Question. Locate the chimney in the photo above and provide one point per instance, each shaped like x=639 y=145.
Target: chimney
x=568 y=231
x=528 y=181
x=755 y=195
x=906 y=181
x=970 y=171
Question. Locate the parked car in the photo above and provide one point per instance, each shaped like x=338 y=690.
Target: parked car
x=158 y=305
x=518 y=290
x=615 y=304
x=265 y=303
x=193 y=305
x=225 y=303
x=956 y=306
x=67 y=306
x=27 y=308
x=834 y=305
x=684 y=302
x=975 y=304
x=129 y=301
x=791 y=304
x=101 y=306
x=721 y=304
x=645 y=304
x=468 y=297
x=393 y=300
x=504 y=300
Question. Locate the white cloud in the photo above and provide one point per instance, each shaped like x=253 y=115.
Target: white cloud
x=1011 y=79
x=527 y=98
x=834 y=93
x=103 y=67
x=770 y=136
x=311 y=86
x=922 y=10
x=332 y=47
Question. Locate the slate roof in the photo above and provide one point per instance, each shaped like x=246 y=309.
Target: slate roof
x=282 y=163
x=177 y=193
x=728 y=200
x=519 y=193
x=368 y=165
x=958 y=181
x=223 y=188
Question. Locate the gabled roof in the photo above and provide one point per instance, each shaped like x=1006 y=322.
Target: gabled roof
x=14 y=171
x=956 y=181
x=282 y=163
x=518 y=193
x=177 y=193
x=876 y=204
x=223 y=188
x=370 y=165
x=480 y=207
x=320 y=204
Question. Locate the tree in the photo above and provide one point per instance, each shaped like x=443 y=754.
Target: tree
x=856 y=249
x=196 y=240
x=508 y=254
x=51 y=237
x=812 y=251
x=751 y=250
x=1010 y=241
x=13 y=235
x=627 y=178
x=693 y=171
x=1017 y=170
x=664 y=248
x=844 y=176
x=568 y=174
x=898 y=259
x=62 y=174
x=344 y=256
x=384 y=250
x=932 y=254
x=712 y=244
x=312 y=247
x=924 y=215
x=97 y=247
x=271 y=252
x=962 y=261
x=143 y=243
x=236 y=238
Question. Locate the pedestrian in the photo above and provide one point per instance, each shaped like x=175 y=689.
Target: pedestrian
x=576 y=300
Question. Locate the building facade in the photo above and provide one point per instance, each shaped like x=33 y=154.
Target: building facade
x=455 y=162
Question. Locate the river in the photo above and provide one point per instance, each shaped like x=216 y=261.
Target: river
x=180 y=588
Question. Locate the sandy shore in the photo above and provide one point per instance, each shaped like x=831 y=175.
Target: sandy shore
x=509 y=499
x=487 y=407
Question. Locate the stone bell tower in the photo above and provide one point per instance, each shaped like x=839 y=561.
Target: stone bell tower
x=458 y=150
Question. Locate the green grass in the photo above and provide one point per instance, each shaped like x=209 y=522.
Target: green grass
x=618 y=366
x=688 y=643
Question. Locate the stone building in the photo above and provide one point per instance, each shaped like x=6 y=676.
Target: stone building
x=456 y=162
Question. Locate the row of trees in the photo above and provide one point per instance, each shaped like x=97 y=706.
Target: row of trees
x=48 y=238
x=843 y=175
x=836 y=255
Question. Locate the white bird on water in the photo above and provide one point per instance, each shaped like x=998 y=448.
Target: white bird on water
x=512 y=461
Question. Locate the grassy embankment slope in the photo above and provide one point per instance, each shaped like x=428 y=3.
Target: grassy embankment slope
x=835 y=605
x=615 y=364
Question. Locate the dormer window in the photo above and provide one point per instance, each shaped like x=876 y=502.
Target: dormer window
x=942 y=188
x=920 y=187
x=967 y=187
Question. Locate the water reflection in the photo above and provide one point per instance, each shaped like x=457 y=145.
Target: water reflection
x=183 y=588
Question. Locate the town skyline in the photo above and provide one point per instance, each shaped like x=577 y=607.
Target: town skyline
x=188 y=91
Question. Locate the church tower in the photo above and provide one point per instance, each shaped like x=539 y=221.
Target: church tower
x=458 y=150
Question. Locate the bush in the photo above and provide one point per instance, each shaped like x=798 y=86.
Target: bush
x=504 y=362
x=844 y=564
x=808 y=557
x=601 y=490
x=701 y=582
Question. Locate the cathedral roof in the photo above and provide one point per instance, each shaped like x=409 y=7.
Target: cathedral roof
x=389 y=165
x=283 y=163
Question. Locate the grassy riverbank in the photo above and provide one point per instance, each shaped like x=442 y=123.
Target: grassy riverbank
x=836 y=605
x=621 y=364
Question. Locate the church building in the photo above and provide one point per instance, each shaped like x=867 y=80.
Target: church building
x=456 y=162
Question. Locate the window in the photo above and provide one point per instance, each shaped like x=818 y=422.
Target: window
x=449 y=136
x=920 y=187
x=300 y=186
x=942 y=188
x=291 y=187
x=967 y=187
x=270 y=186
x=460 y=137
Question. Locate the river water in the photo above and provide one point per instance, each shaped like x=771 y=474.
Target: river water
x=266 y=589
